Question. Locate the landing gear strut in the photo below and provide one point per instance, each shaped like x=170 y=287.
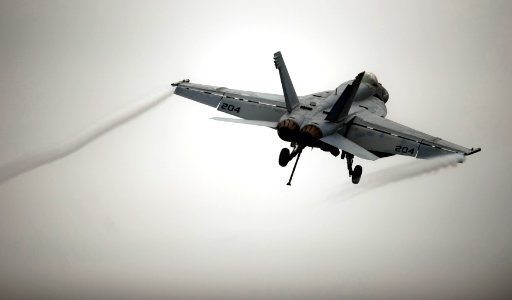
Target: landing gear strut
x=354 y=173
x=285 y=157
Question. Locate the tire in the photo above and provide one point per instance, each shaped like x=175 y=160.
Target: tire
x=284 y=157
x=356 y=174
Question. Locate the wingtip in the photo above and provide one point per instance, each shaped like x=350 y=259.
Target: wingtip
x=180 y=82
x=473 y=151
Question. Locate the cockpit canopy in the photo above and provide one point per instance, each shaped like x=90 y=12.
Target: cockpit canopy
x=380 y=92
x=370 y=78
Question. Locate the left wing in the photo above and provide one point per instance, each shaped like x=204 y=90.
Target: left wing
x=384 y=136
x=243 y=104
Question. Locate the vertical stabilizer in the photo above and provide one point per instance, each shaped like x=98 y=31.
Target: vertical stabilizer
x=292 y=101
x=344 y=102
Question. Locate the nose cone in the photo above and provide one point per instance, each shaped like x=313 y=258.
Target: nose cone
x=309 y=134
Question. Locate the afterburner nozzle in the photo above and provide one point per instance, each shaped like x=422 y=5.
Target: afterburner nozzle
x=310 y=133
x=288 y=130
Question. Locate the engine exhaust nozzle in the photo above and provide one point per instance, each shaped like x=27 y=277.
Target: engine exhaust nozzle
x=309 y=134
x=288 y=130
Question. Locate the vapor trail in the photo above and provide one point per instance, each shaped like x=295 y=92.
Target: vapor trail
x=394 y=174
x=46 y=155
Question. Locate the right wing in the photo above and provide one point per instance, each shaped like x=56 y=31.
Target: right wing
x=384 y=136
x=243 y=104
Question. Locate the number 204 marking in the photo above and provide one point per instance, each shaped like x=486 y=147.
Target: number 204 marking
x=403 y=149
x=230 y=107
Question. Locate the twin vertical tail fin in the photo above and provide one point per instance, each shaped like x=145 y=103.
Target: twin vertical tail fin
x=340 y=108
x=344 y=102
x=292 y=101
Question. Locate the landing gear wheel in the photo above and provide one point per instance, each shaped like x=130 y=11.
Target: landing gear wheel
x=284 y=157
x=356 y=174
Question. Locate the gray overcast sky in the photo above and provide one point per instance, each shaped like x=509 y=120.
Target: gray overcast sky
x=176 y=205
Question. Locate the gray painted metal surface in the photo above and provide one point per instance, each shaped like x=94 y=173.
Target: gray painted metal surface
x=357 y=127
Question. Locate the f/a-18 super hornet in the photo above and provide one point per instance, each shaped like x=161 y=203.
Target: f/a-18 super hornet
x=350 y=118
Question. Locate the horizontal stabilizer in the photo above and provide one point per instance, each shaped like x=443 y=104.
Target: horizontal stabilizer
x=347 y=145
x=247 y=122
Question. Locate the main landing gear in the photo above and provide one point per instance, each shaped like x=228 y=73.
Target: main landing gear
x=356 y=172
x=285 y=157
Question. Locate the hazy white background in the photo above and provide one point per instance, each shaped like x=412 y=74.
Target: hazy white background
x=176 y=205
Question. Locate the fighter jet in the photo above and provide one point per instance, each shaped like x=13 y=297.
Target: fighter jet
x=349 y=120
